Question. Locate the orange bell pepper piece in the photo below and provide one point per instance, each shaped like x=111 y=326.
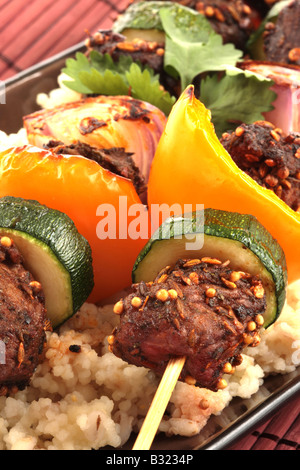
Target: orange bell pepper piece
x=192 y=167
x=78 y=186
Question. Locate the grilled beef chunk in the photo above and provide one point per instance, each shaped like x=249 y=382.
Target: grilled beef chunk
x=116 y=160
x=147 y=53
x=201 y=310
x=269 y=157
x=282 y=40
x=22 y=320
x=234 y=20
x=114 y=44
x=270 y=3
x=261 y=6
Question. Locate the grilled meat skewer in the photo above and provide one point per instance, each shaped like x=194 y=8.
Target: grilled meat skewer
x=23 y=319
x=271 y=158
x=114 y=159
x=202 y=310
x=281 y=41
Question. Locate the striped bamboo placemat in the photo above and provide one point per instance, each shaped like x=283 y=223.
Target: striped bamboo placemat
x=34 y=30
x=280 y=432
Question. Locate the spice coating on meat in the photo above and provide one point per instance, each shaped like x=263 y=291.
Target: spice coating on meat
x=282 y=39
x=271 y=158
x=146 y=52
x=201 y=310
x=234 y=20
x=22 y=320
x=114 y=159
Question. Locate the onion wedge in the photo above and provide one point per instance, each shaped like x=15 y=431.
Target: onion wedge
x=102 y=122
x=286 y=78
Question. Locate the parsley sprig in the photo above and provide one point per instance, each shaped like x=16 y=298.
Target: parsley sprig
x=99 y=74
x=238 y=97
x=192 y=49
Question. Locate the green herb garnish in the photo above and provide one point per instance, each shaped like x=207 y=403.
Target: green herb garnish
x=238 y=97
x=99 y=74
x=193 y=47
x=194 y=53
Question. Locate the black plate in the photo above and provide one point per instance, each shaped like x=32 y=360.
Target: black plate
x=241 y=416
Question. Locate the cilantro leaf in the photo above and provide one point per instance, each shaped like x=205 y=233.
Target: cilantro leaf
x=238 y=97
x=103 y=62
x=106 y=83
x=99 y=74
x=145 y=86
x=193 y=47
x=73 y=69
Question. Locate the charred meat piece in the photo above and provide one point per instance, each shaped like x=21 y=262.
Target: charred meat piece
x=261 y=6
x=271 y=2
x=22 y=320
x=114 y=159
x=201 y=310
x=282 y=40
x=271 y=158
x=114 y=44
x=234 y=20
x=147 y=53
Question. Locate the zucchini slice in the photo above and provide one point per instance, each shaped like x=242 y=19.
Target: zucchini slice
x=239 y=238
x=142 y=20
x=53 y=251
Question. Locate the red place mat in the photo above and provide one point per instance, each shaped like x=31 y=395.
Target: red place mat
x=32 y=31
x=280 y=432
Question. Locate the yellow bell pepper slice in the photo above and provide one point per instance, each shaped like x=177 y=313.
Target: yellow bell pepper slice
x=192 y=167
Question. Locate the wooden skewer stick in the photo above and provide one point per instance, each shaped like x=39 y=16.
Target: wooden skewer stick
x=159 y=404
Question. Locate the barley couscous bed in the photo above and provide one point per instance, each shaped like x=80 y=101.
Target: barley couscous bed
x=83 y=397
